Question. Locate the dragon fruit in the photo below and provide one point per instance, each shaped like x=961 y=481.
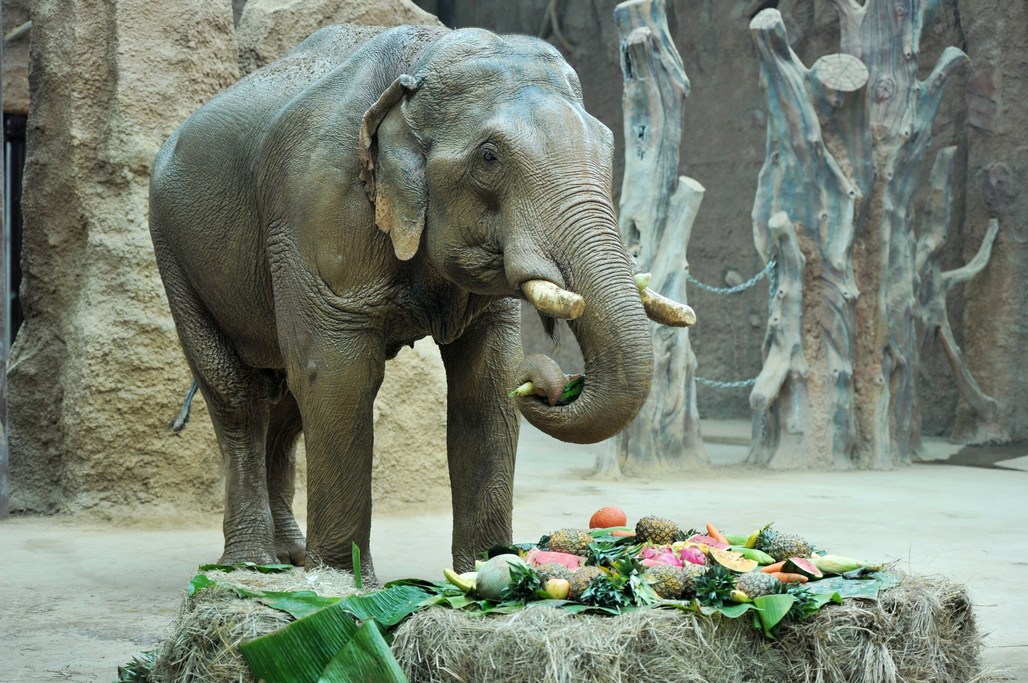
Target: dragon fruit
x=693 y=555
x=536 y=557
x=659 y=555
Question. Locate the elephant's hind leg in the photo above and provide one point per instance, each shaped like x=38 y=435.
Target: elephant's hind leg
x=283 y=432
x=237 y=398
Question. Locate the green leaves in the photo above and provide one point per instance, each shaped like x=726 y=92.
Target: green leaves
x=366 y=658
x=262 y=568
x=771 y=609
x=300 y=652
x=867 y=587
x=331 y=645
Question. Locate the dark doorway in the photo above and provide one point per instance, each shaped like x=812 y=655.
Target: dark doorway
x=14 y=166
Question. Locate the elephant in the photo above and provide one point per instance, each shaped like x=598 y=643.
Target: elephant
x=371 y=188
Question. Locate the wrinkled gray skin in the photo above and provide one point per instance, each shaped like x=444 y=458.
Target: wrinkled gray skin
x=481 y=170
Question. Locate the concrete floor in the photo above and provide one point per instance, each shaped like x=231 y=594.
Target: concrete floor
x=79 y=597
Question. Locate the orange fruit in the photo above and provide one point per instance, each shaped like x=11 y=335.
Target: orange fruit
x=608 y=517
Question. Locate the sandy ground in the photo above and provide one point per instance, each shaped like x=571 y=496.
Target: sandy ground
x=78 y=597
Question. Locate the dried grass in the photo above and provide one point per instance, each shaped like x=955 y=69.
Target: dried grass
x=203 y=646
x=922 y=631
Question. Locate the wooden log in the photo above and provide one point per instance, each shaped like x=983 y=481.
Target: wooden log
x=656 y=214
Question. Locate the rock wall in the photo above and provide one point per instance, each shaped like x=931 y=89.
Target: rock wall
x=270 y=28
x=995 y=323
x=95 y=372
x=16 y=56
x=723 y=148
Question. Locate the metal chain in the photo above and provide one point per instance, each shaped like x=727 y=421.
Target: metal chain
x=769 y=271
x=738 y=288
x=740 y=384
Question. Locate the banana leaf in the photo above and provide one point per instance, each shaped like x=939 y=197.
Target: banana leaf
x=365 y=659
x=771 y=609
x=262 y=568
x=299 y=604
x=388 y=607
x=855 y=588
x=299 y=652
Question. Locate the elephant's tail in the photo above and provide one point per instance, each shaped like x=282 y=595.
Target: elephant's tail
x=182 y=418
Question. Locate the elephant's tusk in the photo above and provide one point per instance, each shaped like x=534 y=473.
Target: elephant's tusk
x=552 y=300
x=661 y=309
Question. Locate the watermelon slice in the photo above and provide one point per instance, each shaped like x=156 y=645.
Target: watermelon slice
x=801 y=565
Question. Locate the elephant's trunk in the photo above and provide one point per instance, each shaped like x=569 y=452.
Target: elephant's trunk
x=614 y=335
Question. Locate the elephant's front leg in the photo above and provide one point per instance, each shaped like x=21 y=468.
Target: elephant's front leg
x=335 y=384
x=482 y=430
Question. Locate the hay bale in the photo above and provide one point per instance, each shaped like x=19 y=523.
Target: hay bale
x=923 y=631
x=203 y=644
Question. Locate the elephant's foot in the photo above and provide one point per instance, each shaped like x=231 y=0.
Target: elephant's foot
x=464 y=560
x=238 y=555
x=291 y=548
x=344 y=563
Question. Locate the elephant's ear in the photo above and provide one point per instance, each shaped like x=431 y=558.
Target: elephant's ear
x=393 y=168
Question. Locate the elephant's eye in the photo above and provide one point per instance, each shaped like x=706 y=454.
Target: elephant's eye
x=488 y=154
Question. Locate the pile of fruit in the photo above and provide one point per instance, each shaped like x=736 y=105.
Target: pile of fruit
x=611 y=567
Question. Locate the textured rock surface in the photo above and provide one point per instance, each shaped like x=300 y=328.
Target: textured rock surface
x=995 y=324
x=270 y=28
x=410 y=432
x=16 y=57
x=96 y=371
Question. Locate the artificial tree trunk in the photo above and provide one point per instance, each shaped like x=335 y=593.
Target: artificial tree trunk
x=934 y=283
x=656 y=214
x=803 y=219
x=852 y=154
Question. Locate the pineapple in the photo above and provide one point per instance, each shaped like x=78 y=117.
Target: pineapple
x=668 y=580
x=573 y=541
x=553 y=570
x=782 y=546
x=580 y=580
x=715 y=586
x=785 y=546
x=756 y=584
x=692 y=573
x=656 y=530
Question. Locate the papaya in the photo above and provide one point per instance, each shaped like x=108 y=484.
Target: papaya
x=733 y=561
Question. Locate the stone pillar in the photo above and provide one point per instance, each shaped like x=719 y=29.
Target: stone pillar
x=96 y=371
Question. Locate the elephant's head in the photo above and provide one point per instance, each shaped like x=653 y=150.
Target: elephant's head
x=485 y=158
